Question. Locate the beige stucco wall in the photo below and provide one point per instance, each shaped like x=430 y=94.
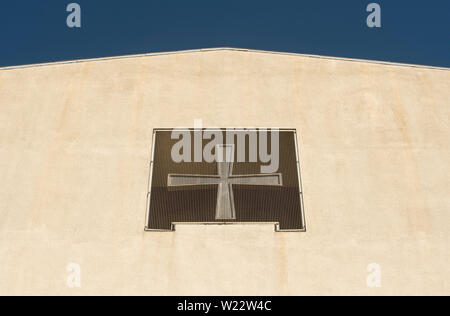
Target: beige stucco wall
x=74 y=161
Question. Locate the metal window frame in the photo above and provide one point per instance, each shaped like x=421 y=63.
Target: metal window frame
x=174 y=224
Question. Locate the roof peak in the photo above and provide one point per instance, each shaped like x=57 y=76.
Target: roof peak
x=222 y=49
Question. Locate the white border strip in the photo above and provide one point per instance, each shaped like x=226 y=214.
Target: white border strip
x=300 y=183
x=150 y=179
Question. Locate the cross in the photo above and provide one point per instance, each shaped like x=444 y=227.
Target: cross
x=225 y=179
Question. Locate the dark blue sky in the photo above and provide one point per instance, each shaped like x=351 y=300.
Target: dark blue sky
x=415 y=32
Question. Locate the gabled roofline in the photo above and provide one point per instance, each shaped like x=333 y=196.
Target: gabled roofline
x=223 y=49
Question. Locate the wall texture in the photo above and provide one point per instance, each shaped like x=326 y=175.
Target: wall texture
x=74 y=161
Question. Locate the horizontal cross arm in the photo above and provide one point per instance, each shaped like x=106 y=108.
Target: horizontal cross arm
x=275 y=179
x=178 y=180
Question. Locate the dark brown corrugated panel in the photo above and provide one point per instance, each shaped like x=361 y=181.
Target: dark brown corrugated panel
x=197 y=204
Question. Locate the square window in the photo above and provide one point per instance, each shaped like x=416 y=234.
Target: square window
x=225 y=176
